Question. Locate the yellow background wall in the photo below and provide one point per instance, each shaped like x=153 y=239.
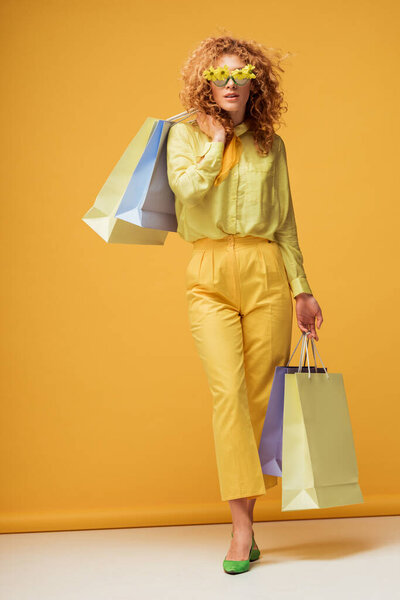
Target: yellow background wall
x=105 y=409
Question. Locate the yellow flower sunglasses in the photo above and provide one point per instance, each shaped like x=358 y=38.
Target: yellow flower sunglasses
x=221 y=75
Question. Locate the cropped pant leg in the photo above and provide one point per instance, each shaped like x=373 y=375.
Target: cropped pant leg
x=267 y=328
x=240 y=314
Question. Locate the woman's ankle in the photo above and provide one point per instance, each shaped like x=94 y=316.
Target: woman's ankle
x=242 y=526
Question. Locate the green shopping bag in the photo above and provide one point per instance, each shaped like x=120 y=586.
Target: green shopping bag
x=319 y=465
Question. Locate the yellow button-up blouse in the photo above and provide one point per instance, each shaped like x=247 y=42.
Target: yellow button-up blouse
x=254 y=199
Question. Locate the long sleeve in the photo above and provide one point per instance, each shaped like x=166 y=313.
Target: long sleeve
x=286 y=233
x=191 y=180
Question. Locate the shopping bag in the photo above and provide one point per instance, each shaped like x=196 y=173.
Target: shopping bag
x=270 y=446
x=319 y=465
x=101 y=217
x=148 y=200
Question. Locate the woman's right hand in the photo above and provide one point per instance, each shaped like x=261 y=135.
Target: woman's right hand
x=211 y=127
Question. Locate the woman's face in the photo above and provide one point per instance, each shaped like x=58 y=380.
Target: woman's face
x=235 y=106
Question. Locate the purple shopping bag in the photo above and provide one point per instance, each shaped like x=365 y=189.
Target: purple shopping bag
x=270 y=446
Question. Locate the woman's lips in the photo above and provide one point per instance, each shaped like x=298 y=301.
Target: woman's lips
x=231 y=98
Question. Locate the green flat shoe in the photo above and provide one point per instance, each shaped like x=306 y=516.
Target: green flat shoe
x=238 y=566
x=254 y=552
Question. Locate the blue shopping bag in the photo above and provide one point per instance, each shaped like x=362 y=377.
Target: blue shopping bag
x=148 y=200
x=270 y=446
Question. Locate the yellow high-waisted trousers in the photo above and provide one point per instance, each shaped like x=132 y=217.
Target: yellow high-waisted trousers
x=240 y=313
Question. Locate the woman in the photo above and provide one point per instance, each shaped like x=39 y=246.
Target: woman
x=229 y=174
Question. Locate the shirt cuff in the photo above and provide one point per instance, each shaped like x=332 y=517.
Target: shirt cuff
x=212 y=157
x=300 y=285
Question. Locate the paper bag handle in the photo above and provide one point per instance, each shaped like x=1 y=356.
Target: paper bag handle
x=303 y=339
x=183 y=115
x=314 y=347
x=304 y=347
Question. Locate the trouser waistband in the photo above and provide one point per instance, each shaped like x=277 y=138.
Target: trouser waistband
x=233 y=239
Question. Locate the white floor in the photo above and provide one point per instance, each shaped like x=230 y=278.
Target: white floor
x=322 y=559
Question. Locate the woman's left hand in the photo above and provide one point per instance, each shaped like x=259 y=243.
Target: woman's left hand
x=307 y=310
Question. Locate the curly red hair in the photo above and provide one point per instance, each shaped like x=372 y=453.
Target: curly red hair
x=265 y=104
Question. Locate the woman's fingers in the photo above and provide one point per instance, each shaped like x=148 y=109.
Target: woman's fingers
x=308 y=326
x=208 y=124
x=313 y=332
x=309 y=311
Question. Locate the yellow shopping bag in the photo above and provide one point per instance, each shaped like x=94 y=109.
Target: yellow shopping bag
x=319 y=465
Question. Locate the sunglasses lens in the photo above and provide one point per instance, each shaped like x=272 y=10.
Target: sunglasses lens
x=223 y=82
x=220 y=82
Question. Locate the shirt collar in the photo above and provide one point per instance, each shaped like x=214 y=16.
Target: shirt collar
x=241 y=128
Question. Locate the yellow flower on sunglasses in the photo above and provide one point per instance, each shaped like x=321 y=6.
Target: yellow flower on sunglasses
x=245 y=72
x=222 y=74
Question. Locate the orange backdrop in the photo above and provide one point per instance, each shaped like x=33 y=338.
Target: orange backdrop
x=105 y=410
